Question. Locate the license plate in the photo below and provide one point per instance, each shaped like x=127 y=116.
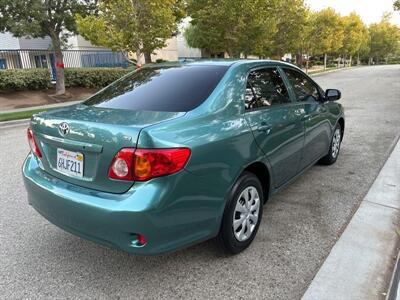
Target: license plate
x=70 y=163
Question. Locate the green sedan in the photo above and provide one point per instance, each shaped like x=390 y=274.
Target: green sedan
x=175 y=154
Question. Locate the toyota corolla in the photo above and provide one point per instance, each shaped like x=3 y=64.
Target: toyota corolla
x=175 y=154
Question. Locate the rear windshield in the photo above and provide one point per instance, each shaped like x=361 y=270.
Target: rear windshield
x=174 y=89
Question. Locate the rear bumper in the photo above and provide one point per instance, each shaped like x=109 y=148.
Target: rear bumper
x=115 y=219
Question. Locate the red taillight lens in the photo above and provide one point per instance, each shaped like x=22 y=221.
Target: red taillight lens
x=144 y=164
x=32 y=143
x=150 y=163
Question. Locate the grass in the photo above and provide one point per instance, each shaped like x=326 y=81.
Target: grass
x=312 y=72
x=19 y=115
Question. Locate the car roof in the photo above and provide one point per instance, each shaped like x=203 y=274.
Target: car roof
x=223 y=62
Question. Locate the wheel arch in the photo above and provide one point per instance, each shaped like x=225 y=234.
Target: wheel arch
x=262 y=172
x=342 y=125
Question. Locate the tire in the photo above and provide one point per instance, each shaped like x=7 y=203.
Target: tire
x=334 y=147
x=235 y=237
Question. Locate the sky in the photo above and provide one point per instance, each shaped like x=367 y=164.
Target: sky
x=370 y=11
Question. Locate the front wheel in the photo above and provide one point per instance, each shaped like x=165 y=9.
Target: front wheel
x=242 y=214
x=334 y=148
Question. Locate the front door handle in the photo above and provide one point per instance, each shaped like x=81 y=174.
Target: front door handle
x=264 y=127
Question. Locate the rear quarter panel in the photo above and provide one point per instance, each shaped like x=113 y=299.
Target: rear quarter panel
x=221 y=144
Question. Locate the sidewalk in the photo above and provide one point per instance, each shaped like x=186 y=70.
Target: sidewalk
x=48 y=106
x=31 y=99
x=22 y=116
x=360 y=265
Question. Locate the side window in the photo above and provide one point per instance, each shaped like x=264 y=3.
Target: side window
x=265 y=87
x=303 y=88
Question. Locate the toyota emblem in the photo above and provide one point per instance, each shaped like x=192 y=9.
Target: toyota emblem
x=63 y=128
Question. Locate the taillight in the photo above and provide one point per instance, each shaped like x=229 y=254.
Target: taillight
x=32 y=143
x=145 y=164
x=150 y=163
x=122 y=165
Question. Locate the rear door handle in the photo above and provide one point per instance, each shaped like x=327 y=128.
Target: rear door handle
x=299 y=111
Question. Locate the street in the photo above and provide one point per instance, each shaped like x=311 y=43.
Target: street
x=299 y=227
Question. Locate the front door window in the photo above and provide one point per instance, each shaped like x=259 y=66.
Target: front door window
x=303 y=88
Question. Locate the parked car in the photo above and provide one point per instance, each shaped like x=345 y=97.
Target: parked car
x=175 y=154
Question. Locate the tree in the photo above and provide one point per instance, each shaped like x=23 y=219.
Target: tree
x=139 y=26
x=396 y=5
x=233 y=26
x=354 y=35
x=40 y=18
x=326 y=32
x=291 y=27
x=365 y=45
x=385 y=39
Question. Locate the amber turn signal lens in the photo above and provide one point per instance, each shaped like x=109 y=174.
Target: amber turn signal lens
x=142 y=167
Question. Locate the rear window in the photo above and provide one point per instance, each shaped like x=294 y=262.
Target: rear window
x=174 y=89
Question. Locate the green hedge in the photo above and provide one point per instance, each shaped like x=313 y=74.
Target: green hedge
x=25 y=79
x=39 y=79
x=92 y=77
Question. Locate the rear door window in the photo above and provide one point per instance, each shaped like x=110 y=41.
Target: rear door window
x=264 y=88
x=173 y=89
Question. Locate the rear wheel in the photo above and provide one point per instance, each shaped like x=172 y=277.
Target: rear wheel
x=334 y=148
x=242 y=214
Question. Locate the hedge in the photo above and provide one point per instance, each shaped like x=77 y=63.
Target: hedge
x=92 y=77
x=25 y=79
x=39 y=79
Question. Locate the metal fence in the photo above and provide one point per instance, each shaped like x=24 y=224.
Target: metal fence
x=28 y=59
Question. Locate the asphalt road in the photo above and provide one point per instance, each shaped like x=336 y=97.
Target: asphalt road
x=299 y=227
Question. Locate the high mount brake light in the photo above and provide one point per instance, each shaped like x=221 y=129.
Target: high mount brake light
x=144 y=164
x=32 y=143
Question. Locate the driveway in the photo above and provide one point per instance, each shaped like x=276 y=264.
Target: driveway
x=300 y=225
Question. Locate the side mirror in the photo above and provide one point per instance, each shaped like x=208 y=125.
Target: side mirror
x=332 y=95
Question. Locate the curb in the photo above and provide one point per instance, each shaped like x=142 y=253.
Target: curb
x=13 y=123
x=20 y=122
x=333 y=70
x=47 y=106
x=360 y=265
x=394 y=289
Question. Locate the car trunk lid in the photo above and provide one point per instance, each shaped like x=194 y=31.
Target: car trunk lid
x=95 y=135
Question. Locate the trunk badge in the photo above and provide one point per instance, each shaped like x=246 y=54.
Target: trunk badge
x=63 y=128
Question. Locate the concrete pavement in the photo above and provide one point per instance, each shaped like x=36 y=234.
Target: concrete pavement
x=360 y=264
x=299 y=228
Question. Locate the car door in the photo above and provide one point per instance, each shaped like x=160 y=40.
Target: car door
x=275 y=121
x=317 y=128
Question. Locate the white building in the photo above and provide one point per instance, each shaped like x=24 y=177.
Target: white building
x=25 y=53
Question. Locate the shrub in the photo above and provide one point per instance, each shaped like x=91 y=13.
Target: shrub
x=92 y=77
x=24 y=79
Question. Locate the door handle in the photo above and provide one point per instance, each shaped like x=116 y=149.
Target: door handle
x=306 y=118
x=264 y=127
x=299 y=111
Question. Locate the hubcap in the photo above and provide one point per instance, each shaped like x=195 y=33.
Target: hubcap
x=245 y=217
x=336 y=142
